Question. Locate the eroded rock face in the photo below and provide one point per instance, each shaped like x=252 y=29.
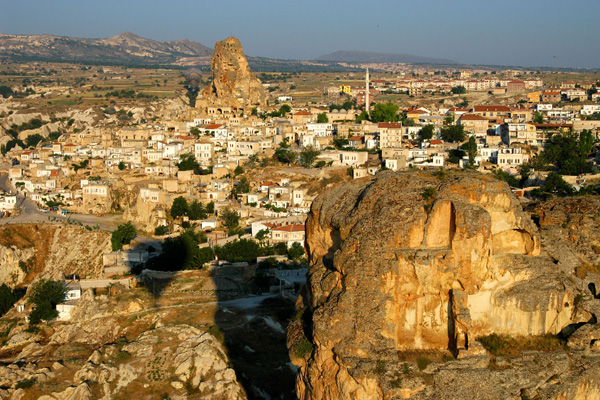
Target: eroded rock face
x=408 y=262
x=233 y=85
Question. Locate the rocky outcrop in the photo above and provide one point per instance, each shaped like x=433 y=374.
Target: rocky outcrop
x=233 y=85
x=407 y=262
x=51 y=251
x=179 y=360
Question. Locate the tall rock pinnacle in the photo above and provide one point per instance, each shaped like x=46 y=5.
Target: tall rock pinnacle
x=234 y=85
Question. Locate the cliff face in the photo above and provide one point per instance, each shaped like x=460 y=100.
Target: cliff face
x=233 y=85
x=409 y=262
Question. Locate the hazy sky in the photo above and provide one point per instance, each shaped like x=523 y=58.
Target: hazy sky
x=558 y=33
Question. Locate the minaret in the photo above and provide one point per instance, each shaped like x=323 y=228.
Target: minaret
x=367 y=102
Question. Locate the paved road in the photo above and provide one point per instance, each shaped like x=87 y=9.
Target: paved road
x=30 y=214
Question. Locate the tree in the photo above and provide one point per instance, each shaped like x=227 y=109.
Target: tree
x=8 y=298
x=471 y=148
x=565 y=152
x=340 y=142
x=296 y=251
x=231 y=219
x=285 y=156
x=243 y=186
x=196 y=211
x=195 y=131
x=453 y=133
x=525 y=172
x=586 y=142
x=427 y=132
x=124 y=234
x=188 y=163
x=33 y=140
x=363 y=116
x=210 y=207
x=262 y=234
x=238 y=170
x=284 y=109
x=459 y=90
x=179 y=207
x=122 y=165
x=555 y=184
x=322 y=118
x=308 y=155
x=347 y=105
x=387 y=112
x=538 y=118
x=45 y=295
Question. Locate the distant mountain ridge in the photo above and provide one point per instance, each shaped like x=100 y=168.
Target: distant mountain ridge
x=125 y=48
x=369 y=57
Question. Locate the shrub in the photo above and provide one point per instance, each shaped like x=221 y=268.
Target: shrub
x=161 y=230
x=423 y=362
x=25 y=384
x=303 y=347
x=428 y=194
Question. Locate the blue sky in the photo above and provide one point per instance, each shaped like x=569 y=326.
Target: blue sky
x=510 y=32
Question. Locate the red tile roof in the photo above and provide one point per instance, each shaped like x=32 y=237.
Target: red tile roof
x=290 y=228
x=472 y=117
x=393 y=125
x=491 y=108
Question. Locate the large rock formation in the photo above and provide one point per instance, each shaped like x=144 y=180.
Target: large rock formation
x=408 y=262
x=233 y=85
x=50 y=251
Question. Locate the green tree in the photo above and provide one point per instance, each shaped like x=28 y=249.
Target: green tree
x=122 y=165
x=459 y=90
x=555 y=184
x=230 y=219
x=363 y=116
x=471 y=148
x=296 y=251
x=427 y=132
x=45 y=295
x=586 y=142
x=538 y=118
x=8 y=298
x=285 y=156
x=179 y=207
x=322 y=118
x=525 y=172
x=453 y=133
x=340 y=142
x=565 y=152
x=124 y=234
x=243 y=186
x=196 y=211
x=239 y=250
x=33 y=140
x=308 y=155
x=284 y=109
x=195 y=131
x=262 y=234
x=387 y=112
x=348 y=105
x=238 y=170
x=188 y=163
x=210 y=207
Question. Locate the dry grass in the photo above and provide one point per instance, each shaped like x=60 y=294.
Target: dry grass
x=584 y=269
